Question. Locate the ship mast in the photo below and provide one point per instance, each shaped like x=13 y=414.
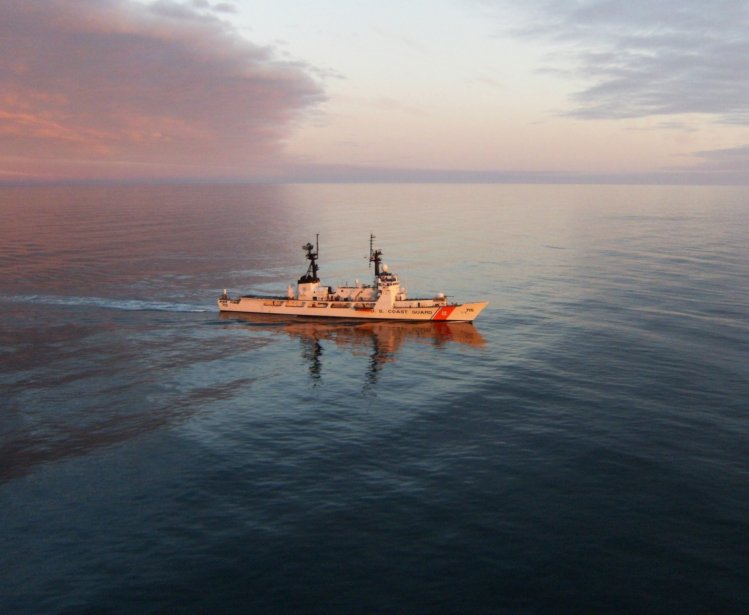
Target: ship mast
x=311 y=275
x=374 y=255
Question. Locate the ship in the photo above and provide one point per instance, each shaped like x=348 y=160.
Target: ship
x=384 y=299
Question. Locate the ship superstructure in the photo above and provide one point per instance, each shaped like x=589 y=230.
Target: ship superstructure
x=384 y=299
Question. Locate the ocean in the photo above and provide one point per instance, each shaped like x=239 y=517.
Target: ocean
x=581 y=448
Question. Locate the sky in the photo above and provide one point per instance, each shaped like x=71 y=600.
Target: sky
x=640 y=91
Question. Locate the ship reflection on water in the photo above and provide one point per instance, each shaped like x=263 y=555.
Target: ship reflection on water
x=380 y=340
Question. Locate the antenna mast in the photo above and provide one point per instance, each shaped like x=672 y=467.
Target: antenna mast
x=311 y=275
x=374 y=255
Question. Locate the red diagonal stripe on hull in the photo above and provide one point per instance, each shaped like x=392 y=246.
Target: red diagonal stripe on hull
x=444 y=313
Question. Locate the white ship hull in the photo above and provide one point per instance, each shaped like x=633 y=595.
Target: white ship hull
x=412 y=310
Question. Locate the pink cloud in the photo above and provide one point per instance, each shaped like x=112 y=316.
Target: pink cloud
x=113 y=88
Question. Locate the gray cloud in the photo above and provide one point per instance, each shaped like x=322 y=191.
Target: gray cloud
x=167 y=84
x=729 y=159
x=225 y=7
x=646 y=57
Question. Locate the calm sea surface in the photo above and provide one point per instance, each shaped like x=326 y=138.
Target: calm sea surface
x=584 y=447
